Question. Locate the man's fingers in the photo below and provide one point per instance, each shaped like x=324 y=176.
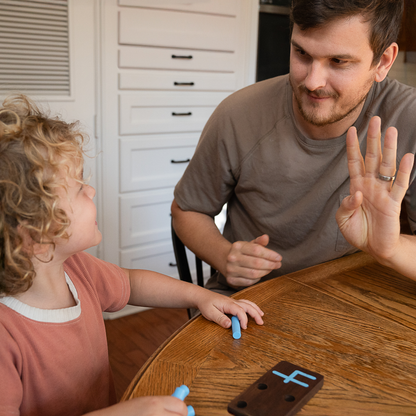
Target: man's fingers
x=257 y=249
x=252 y=269
x=355 y=160
x=373 y=153
x=238 y=282
x=388 y=163
x=263 y=240
x=402 y=178
x=348 y=206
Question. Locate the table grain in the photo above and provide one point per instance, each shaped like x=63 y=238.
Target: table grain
x=351 y=320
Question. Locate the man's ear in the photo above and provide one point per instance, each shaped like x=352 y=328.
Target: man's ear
x=386 y=61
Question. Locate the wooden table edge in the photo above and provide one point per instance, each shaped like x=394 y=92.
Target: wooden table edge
x=133 y=383
x=346 y=263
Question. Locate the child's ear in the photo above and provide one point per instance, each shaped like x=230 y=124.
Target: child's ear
x=30 y=246
x=40 y=250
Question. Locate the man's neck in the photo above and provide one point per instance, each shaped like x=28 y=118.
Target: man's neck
x=330 y=131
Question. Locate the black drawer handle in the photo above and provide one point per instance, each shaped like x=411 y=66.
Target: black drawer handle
x=181 y=56
x=172 y=264
x=180 y=161
x=183 y=83
x=182 y=114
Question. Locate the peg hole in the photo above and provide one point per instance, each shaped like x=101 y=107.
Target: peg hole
x=241 y=404
x=289 y=398
x=262 y=386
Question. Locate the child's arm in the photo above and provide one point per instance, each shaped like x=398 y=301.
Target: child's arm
x=145 y=406
x=157 y=290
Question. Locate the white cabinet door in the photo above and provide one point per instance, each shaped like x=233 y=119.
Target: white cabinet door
x=177 y=81
x=142 y=57
x=79 y=101
x=176 y=29
x=145 y=217
x=166 y=112
x=155 y=161
x=225 y=7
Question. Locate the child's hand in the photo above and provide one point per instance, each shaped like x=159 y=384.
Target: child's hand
x=146 y=406
x=214 y=306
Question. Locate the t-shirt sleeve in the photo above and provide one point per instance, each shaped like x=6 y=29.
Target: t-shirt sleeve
x=209 y=179
x=109 y=282
x=11 y=390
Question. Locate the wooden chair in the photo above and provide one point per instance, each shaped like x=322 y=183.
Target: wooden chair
x=183 y=265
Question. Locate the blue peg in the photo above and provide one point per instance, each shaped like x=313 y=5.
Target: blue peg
x=180 y=393
x=235 y=323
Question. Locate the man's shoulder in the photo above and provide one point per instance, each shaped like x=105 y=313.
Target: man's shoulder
x=256 y=108
x=273 y=89
x=391 y=92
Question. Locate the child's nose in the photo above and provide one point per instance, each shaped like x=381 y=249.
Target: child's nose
x=91 y=191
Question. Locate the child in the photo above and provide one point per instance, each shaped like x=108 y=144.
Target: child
x=53 y=349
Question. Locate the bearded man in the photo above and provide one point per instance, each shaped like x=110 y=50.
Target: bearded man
x=275 y=152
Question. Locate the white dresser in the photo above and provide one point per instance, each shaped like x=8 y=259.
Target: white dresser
x=166 y=65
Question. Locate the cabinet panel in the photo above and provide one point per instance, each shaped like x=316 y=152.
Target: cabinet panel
x=151 y=167
x=139 y=57
x=177 y=29
x=165 y=112
x=228 y=7
x=176 y=81
x=157 y=257
x=145 y=217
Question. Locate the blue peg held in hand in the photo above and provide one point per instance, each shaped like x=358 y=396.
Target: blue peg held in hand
x=180 y=393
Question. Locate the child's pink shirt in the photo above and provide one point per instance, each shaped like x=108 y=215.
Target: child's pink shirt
x=55 y=362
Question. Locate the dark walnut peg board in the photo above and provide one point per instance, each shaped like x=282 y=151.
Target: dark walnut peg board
x=282 y=391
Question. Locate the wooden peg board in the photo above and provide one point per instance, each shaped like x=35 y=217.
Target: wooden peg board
x=282 y=391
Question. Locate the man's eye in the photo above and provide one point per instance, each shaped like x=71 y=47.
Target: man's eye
x=338 y=61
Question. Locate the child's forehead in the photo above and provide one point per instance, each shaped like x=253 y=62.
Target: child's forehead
x=72 y=169
x=70 y=174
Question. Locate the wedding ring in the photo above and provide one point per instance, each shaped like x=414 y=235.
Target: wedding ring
x=386 y=178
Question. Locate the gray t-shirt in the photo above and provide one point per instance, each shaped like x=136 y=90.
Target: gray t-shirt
x=276 y=181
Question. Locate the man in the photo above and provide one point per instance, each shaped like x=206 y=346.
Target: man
x=276 y=151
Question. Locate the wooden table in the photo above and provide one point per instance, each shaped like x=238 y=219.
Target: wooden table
x=351 y=320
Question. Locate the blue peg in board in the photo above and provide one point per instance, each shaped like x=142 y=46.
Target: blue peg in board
x=180 y=393
x=236 y=328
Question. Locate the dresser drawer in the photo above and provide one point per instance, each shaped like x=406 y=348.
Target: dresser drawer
x=177 y=81
x=150 y=167
x=177 y=29
x=166 y=112
x=225 y=7
x=141 y=57
x=145 y=217
x=158 y=257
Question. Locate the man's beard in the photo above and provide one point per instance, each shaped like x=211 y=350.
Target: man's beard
x=313 y=117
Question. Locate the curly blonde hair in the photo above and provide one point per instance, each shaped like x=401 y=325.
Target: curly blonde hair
x=34 y=148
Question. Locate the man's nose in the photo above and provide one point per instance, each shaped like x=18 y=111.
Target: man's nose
x=316 y=78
